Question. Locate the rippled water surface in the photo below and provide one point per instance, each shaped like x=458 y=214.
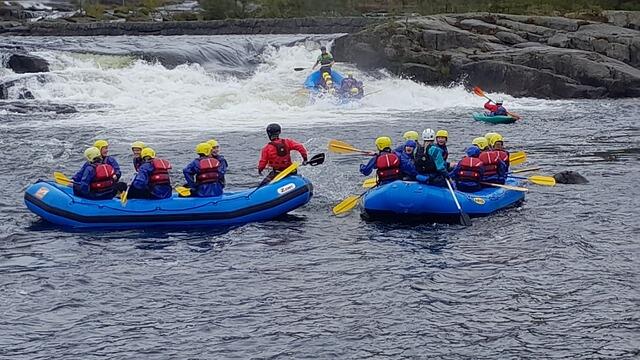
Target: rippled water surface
x=556 y=277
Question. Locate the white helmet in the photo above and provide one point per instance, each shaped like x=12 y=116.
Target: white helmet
x=428 y=135
x=500 y=101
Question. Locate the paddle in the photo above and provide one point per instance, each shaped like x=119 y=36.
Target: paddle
x=300 y=68
x=341 y=147
x=538 y=179
x=61 y=179
x=517 y=158
x=369 y=183
x=508 y=187
x=347 y=204
x=479 y=92
x=524 y=170
x=464 y=218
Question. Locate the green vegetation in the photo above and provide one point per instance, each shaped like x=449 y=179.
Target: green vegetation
x=219 y=9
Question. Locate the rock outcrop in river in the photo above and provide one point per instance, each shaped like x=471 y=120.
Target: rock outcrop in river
x=547 y=57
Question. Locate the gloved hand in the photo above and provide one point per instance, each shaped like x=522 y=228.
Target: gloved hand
x=422 y=178
x=361 y=167
x=260 y=172
x=304 y=162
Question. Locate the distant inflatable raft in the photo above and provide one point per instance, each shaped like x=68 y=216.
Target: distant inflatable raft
x=57 y=204
x=410 y=200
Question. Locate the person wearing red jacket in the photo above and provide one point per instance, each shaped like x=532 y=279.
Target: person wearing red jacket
x=497 y=109
x=277 y=153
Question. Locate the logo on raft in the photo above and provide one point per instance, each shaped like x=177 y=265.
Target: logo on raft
x=285 y=189
x=41 y=192
x=479 y=201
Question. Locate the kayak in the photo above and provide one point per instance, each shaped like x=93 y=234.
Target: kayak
x=57 y=204
x=313 y=81
x=410 y=200
x=497 y=119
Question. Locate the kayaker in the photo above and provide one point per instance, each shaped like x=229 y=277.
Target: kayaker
x=215 y=153
x=497 y=109
x=325 y=60
x=429 y=162
x=136 y=148
x=96 y=180
x=408 y=135
x=481 y=142
x=495 y=168
x=497 y=144
x=469 y=171
x=152 y=180
x=389 y=164
x=103 y=146
x=277 y=153
x=204 y=174
x=442 y=136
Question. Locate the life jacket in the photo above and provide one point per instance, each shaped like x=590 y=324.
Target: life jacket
x=104 y=178
x=160 y=173
x=282 y=160
x=470 y=169
x=424 y=162
x=504 y=156
x=325 y=59
x=490 y=159
x=500 y=111
x=388 y=165
x=208 y=171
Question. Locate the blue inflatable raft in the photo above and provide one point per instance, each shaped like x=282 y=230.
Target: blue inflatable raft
x=57 y=204
x=314 y=80
x=413 y=201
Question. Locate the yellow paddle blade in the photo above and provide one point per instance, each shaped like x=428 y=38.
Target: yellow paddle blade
x=542 y=180
x=183 y=191
x=61 y=179
x=291 y=168
x=525 y=170
x=508 y=187
x=346 y=205
x=341 y=147
x=369 y=183
x=517 y=158
x=123 y=198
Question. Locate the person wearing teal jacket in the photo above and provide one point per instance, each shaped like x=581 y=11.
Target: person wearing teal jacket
x=429 y=161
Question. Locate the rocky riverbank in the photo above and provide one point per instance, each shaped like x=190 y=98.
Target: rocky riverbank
x=546 y=57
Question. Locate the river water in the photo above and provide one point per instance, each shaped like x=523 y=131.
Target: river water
x=556 y=277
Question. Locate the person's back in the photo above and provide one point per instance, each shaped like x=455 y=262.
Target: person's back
x=495 y=170
x=95 y=180
x=203 y=174
x=497 y=144
x=386 y=162
x=152 y=180
x=469 y=171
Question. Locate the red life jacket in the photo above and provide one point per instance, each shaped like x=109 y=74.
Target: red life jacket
x=504 y=156
x=388 y=165
x=208 y=171
x=490 y=159
x=103 y=179
x=470 y=169
x=160 y=173
x=282 y=158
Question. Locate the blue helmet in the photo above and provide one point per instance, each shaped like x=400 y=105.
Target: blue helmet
x=473 y=151
x=411 y=143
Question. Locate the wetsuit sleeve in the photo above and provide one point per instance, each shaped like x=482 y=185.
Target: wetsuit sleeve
x=436 y=155
x=454 y=173
x=78 y=176
x=491 y=107
x=85 y=181
x=367 y=169
x=116 y=167
x=142 y=177
x=223 y=165
x=190 y=170
x=294 y=145
x=502 y=169
x=264 y=158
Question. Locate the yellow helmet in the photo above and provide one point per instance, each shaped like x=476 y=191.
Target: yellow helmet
x=354 y=91
x=383 y=142
x=350 y=74
x=138 y=145
x=100 y=144
x=480 y=142
x=442 y=133
x=326 y=76
x=495 y=138
x=147 y=152
x=213 y=143
x=92 y=153
x=489 y=135
x=203 y=149
x=411 y=135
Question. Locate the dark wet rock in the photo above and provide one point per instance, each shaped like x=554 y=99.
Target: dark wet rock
x=626 y=19
x=537 y=56
x=25 y=63
x=28 y=107
x=570 y=177
x=25 y=94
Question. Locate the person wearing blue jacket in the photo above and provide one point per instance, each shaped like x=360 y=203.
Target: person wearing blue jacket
x=215 y=153
x=152 y=180
x=389 y=165
x=469 y=171
x=429 y=162
x=407 y=164
x=96 y=180
x=204 y=175
x=103 y=146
